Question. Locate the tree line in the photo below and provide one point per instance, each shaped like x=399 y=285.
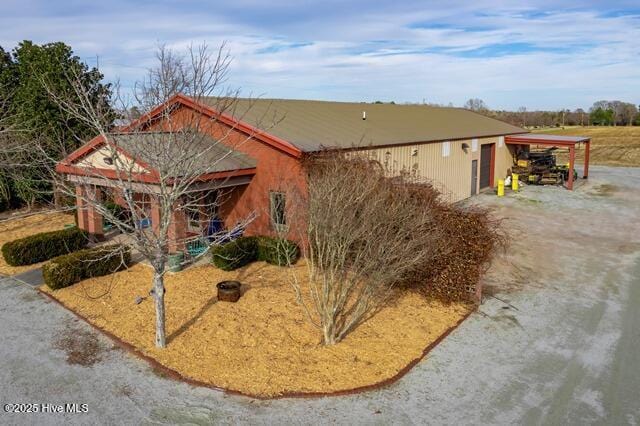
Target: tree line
x=601 y=113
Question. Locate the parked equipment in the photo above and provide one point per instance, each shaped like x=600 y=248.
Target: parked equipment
x=540 y=168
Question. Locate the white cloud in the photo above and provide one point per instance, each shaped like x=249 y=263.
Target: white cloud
x=533 y=55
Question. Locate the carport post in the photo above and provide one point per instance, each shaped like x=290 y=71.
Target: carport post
x=572 y=161
x=585 y=173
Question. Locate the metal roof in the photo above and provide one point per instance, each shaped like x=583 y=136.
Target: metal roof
x=156 y=148
x=542 y=139
x=314 y=125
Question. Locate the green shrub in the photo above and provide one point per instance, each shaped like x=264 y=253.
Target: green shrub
x=245 y=250
x=235 y=254
x=277 y=251
x=40 y=247
x=69 y=269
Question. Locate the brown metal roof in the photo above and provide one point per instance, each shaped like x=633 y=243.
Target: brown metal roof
x=542 y=139
x=154 y=147
x=313 y=125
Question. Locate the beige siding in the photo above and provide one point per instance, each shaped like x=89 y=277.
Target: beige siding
x=96 y=160
x=450 y=174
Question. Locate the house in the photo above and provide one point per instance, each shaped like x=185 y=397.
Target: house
x=459 y=151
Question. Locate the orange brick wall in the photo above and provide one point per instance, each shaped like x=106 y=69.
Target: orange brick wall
x=275 y=171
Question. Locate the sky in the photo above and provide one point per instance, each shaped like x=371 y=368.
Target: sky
x=536 y=54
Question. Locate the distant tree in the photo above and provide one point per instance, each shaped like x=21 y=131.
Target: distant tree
x=628 y=113
x=601 y=117
x=580 y=114
x=476 y=104
x=522 y=112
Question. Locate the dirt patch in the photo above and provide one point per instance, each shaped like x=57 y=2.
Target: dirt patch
x=15 y=228
x=604 y=190
x=262 y=345
x=82 y=347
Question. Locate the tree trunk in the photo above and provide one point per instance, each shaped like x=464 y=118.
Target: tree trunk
x=329 y=333
x=158 y=296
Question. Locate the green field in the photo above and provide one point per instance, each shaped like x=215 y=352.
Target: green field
x=612 y=146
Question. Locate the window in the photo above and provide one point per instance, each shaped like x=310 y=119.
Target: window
x=446 y=149
x=474 y=145
x=278 y=210
x=500 y=141
x=193 y=218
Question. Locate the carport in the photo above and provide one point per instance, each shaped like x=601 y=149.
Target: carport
x=569 y=142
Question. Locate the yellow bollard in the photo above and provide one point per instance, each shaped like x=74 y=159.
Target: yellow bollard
x=514 y=181
x=500 y=187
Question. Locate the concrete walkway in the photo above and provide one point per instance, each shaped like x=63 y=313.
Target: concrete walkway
x=32 y=277
x=559 y=345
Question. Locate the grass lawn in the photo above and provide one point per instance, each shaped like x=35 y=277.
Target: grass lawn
x=611 y=146
x=262 y=345
x=13 y=229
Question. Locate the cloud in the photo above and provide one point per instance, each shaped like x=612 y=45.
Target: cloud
x=534 y=54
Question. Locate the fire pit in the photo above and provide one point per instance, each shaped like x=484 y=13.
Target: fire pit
x=228 y=291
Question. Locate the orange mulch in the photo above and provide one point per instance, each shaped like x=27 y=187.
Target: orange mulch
x=20 y=227
x=262 y=345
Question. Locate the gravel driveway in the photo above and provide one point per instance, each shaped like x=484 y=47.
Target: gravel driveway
x=557 y=343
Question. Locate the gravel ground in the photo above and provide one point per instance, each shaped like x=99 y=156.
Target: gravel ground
x=557 y=342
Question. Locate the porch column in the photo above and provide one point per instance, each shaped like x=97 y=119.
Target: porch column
x=81 y=207
x=155 y=215
x=177 y=231
x=572 y=161
x=585 y=173
x=94 y=218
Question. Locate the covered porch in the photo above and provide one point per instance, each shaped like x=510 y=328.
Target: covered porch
x=555 y=141
x=137 y=175
x=189 y=223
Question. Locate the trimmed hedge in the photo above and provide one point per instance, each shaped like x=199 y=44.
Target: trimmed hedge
x=245 y=250
x=235 y=254
x=277 y=251
x=40 y=247
x=69 y=269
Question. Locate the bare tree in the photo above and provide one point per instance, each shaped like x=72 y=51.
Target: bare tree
x=158 y=171
x=628 y=113
x=476 y=104
x=522 y=111
x=363 y=234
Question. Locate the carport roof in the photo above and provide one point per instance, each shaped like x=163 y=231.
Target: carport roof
x=542 y=139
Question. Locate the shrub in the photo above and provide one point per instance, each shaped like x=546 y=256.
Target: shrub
x=277 y=251
x=235 y=254
x=469 y=238
x=44 y=246
x=69 y=269
x=245 y=250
